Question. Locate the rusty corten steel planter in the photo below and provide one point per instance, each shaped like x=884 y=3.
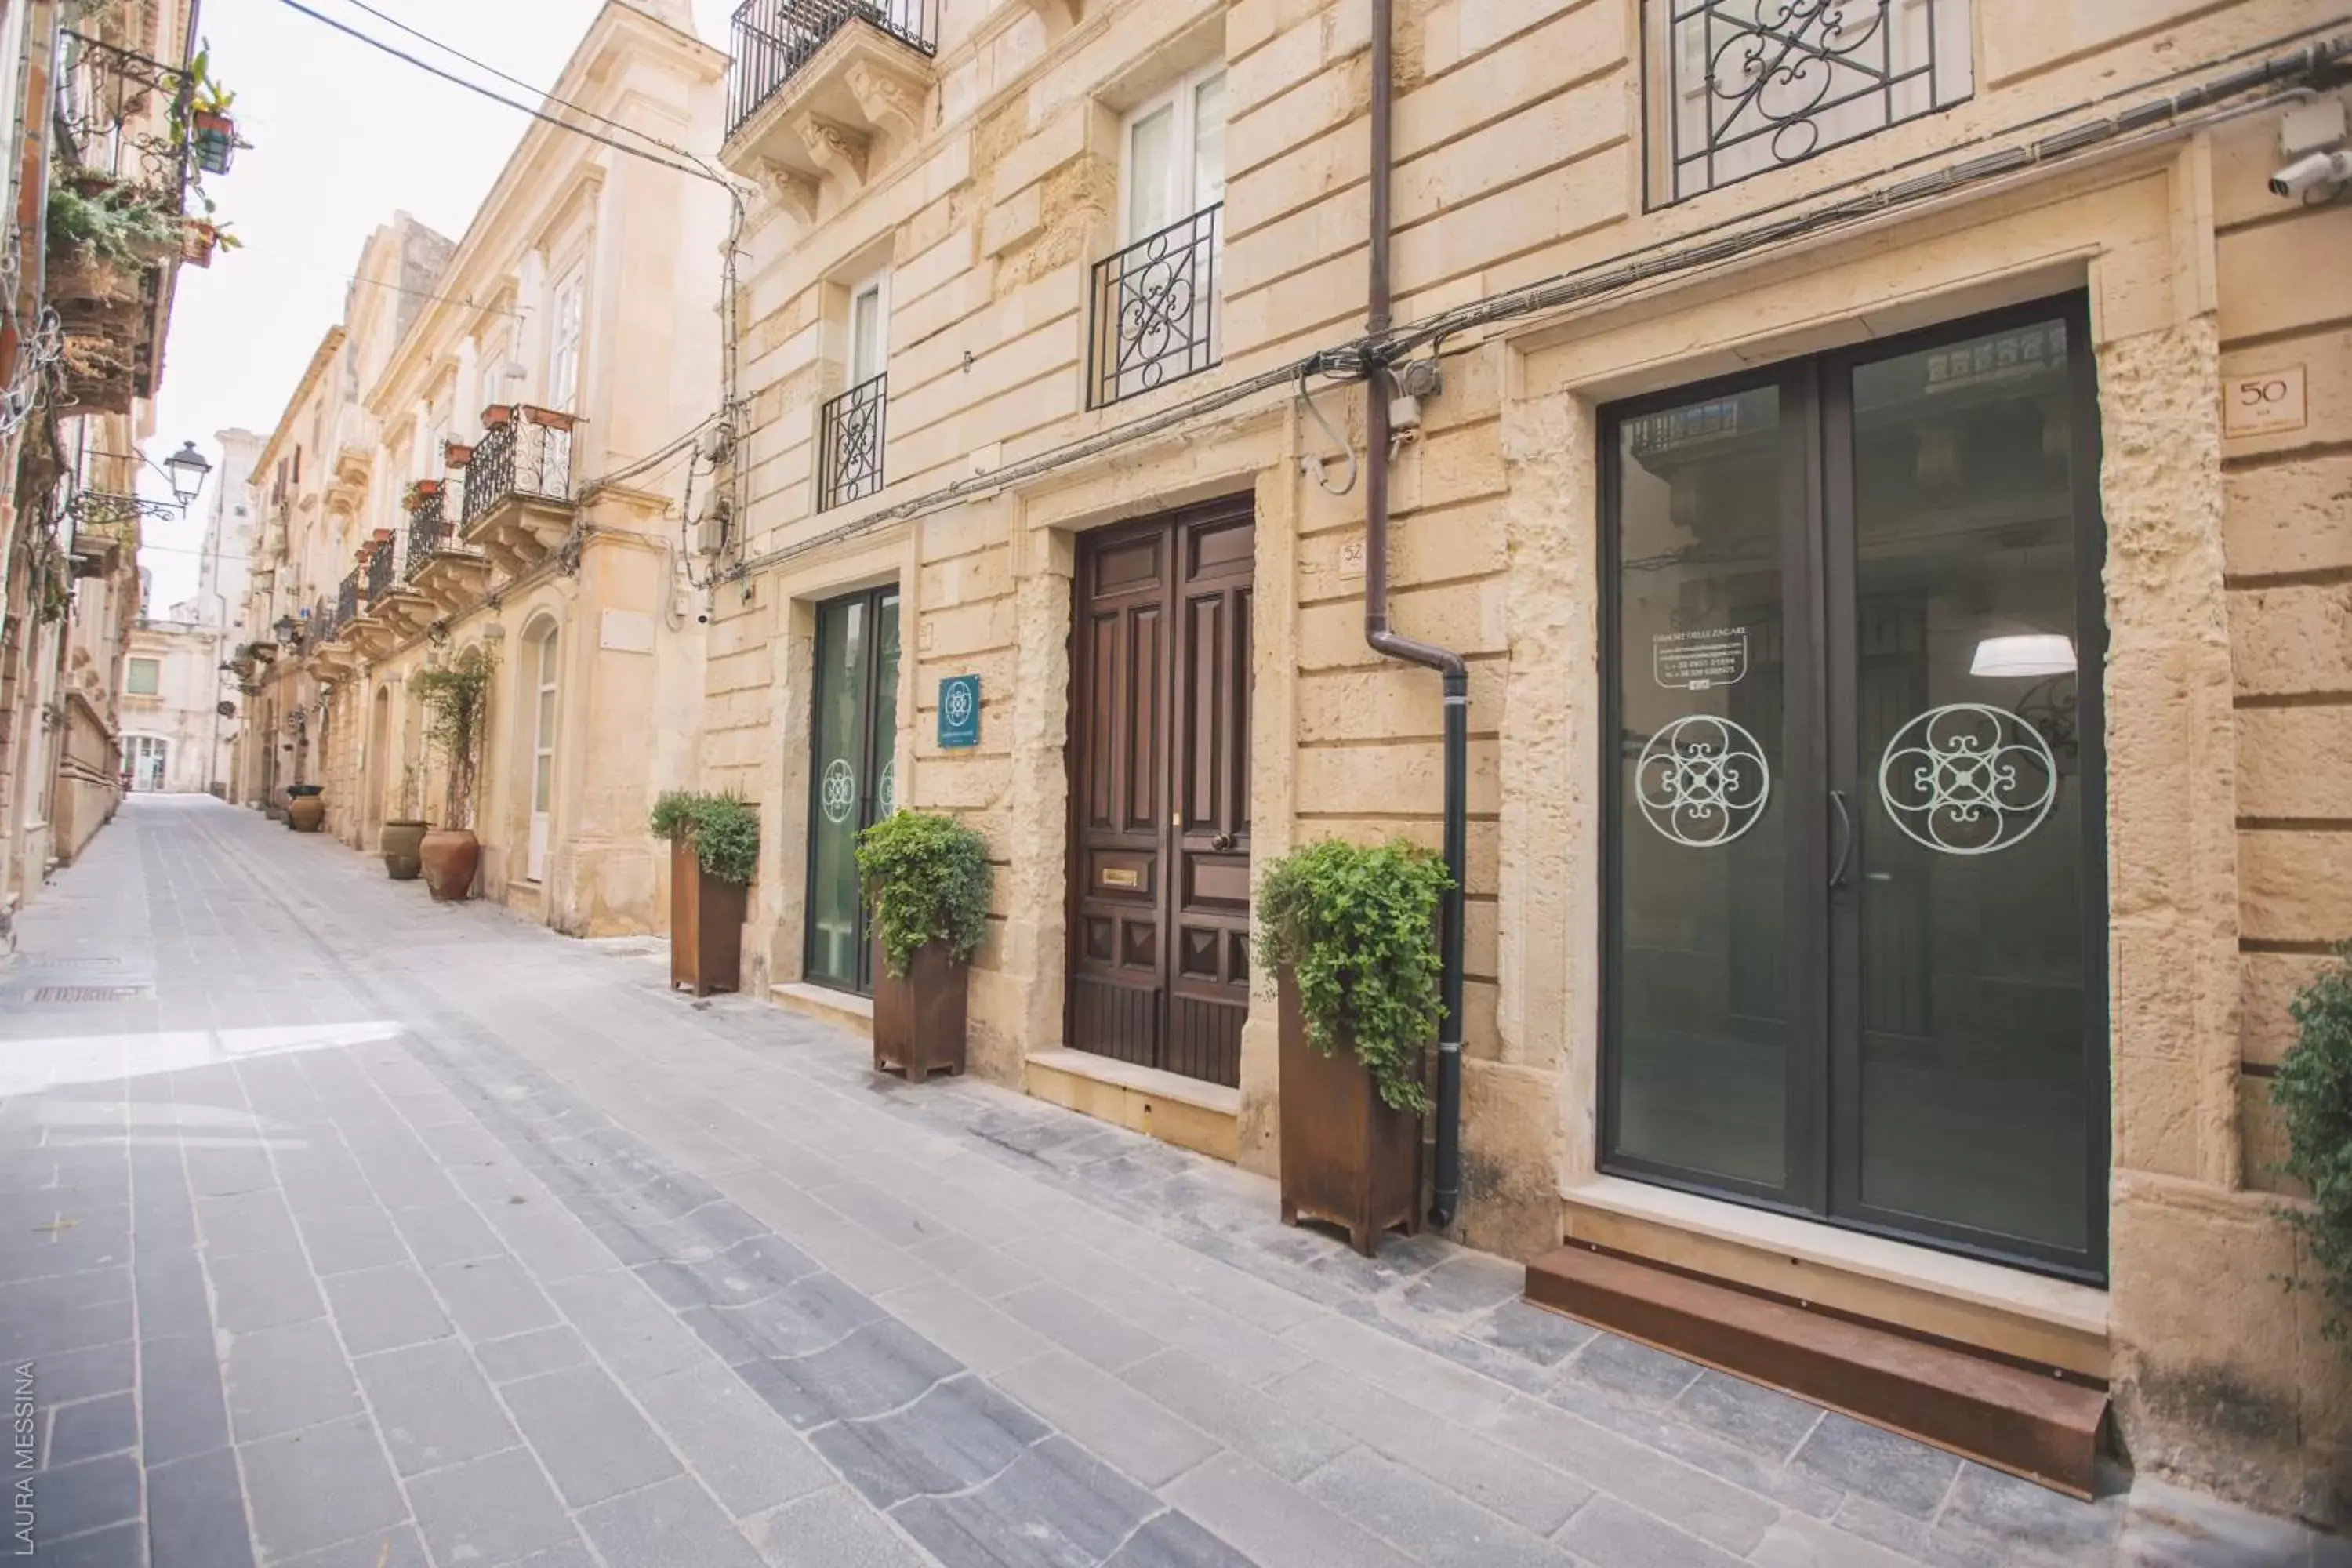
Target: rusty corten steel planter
x=919 y=1019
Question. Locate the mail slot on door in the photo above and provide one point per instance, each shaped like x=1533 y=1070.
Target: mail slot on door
x=1121 y=877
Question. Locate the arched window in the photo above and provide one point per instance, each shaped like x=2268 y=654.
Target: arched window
x=540 y=668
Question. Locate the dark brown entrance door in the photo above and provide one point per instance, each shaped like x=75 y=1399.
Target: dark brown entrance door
x=1160 y=816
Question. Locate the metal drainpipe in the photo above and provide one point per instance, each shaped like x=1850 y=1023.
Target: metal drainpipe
x=1446 y=1188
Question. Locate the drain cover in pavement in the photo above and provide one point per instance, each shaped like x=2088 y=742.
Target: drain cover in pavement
x=89 y=994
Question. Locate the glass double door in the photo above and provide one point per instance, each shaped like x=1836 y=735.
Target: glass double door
x=852 y=777
x=1854 y=904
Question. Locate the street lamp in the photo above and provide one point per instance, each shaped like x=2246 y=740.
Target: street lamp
x=187 y=469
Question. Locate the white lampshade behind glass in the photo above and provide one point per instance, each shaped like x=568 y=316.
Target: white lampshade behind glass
x=2023 y=655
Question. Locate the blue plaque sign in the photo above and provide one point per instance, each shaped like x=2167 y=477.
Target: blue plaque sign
x=960 y=711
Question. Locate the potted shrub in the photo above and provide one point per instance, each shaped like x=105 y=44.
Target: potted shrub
x=926 y=877
x=402 y=840
x=305 y=807
x=714 y=848
x=1350 y=933
x=456 y=701
x=2313 y=1095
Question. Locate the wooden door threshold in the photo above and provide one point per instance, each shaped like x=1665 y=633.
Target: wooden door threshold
x=2034 y=1424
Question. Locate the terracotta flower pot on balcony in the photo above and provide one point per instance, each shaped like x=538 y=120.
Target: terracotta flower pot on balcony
x=1348 y=1159
x=450 y=857
x=401 y=843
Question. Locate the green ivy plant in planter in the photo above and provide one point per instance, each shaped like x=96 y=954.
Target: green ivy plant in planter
x=1351 y=932
x=926 y=877
x=2313 y=1094
x=714 y=853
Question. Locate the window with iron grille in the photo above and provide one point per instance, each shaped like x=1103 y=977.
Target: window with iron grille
x=1738 y=88
x=1155 y=310
x=851 y=428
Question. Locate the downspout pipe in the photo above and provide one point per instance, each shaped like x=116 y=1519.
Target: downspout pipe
x=1446 y=1186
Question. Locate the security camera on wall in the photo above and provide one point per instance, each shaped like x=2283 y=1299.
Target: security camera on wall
x=2319 y=171
x=2311 y=138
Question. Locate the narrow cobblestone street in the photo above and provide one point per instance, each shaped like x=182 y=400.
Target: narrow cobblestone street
x=338 y=1228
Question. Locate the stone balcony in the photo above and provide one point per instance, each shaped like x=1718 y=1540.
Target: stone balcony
x=517 y=487
x=449 y=576
x=821 y=88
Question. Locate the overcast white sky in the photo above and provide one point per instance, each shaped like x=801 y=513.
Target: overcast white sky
x=343 y=137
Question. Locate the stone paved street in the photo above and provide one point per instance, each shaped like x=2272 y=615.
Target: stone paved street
x=343 y=1230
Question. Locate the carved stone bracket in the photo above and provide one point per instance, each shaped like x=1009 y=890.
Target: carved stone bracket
x=888 y=99
x=1059 y=13
x=840 y=153
x=788 y=188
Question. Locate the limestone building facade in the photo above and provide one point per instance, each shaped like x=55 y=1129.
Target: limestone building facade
x=494 y=456
x=1892 y=517
x=86 y=96
x=172 y=685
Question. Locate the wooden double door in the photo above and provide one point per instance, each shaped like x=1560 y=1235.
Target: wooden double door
x=1160 y=849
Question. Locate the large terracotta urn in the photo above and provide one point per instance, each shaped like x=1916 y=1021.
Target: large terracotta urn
x=306 y=809
x=401 y=843
x=450 y=855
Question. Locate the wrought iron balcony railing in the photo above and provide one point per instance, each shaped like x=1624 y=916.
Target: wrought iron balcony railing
x=849 y=433
x=528 y=454
x=1156 y=316
x=426 y=530
x=347 y=603
x=379 y=573
x=773 y=40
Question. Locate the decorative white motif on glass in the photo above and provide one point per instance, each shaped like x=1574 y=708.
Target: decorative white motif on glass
x=839 y=796
x=885 y=789
x=1703 y=781
x=1968 y=779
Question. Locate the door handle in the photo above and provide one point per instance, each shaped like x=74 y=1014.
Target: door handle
x=1222 y=841
x=1845 y=837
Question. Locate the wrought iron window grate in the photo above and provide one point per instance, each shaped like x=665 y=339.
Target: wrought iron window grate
x=773 y=40
x=1155 y=311
x=1739 y=88
x=849 y=444
x=426 y=530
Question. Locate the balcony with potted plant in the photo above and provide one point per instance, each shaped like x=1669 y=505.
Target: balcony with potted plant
x=117 y=218
x=519 y=504
x=451 y=576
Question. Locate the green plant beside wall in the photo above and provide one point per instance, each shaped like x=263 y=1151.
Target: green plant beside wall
x=2313 y=1094
x=927 y=879
x=724 y=831
x=1358 y=928
x=457 y=699
x=118 y=223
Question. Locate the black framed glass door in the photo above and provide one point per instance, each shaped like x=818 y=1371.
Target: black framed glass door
x=852 y=777
x=1854 y=908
